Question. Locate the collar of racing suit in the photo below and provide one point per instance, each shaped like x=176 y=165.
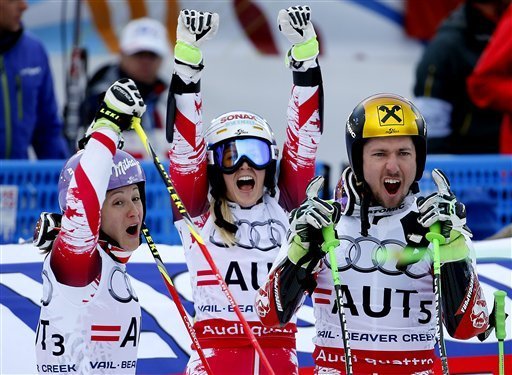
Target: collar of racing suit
x=374 y=210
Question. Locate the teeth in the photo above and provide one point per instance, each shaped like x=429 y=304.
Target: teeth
x=245 y=178
x=391 y=181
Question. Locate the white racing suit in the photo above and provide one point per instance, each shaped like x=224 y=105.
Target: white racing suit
x=390 y=312
x=261 y=230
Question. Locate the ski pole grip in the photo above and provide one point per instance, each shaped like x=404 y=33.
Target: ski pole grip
x=499 y=300
x=330 y=240
x=436 y=238
x=435 y=233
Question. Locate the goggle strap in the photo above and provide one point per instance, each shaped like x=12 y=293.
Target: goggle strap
x=210 y=157
x=274 y=152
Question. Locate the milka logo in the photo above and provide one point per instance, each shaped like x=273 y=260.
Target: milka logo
x=121 y=167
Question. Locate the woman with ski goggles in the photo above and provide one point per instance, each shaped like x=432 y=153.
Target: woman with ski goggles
x=258 y=153
x=226 y=178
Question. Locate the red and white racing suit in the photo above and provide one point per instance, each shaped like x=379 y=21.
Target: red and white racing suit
x=90 y=315
x=390 y=313
x=261 y=231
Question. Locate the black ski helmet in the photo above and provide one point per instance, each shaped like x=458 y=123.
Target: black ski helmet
x=385 y=115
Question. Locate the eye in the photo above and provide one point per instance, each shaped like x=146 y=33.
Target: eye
x=117 y=202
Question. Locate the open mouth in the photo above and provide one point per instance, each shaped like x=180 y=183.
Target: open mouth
x=245 y=183
x=392 y=185
x=132 y=229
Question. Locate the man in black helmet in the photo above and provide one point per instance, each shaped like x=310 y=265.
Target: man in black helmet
x=383 y=257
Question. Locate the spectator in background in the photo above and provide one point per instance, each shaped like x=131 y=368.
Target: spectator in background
x=456 y=125
x=144 y=45
x=28 y=109
x=490 y=84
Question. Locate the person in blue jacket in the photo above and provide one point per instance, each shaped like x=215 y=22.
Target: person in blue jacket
x=28 y=107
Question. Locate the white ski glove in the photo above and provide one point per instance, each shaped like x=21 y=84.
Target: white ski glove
x=443 y=207
x=306 y=223
x=295 y=23
x=194 y=28
x=122 y=101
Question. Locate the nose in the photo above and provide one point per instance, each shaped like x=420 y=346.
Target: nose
x=133 y=210
x=392 y=164
x=245 y=165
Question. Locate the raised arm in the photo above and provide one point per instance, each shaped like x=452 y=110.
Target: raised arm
x=74 y=259
x=305 y=107
x=187 y=155
x=465 y=311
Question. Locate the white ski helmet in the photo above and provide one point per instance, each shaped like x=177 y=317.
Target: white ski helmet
x=240 y=125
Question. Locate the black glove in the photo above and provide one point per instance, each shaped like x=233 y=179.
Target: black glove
x=46 y=230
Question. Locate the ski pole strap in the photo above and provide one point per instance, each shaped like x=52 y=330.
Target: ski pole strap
x=121 y=120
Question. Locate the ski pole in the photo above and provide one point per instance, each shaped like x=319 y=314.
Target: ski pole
x=176 y=298
x=329 y=245
x=435 y=237
x=195 y=233
x=501 y=333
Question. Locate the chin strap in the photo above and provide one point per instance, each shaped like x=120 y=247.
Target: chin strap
x=365 y=221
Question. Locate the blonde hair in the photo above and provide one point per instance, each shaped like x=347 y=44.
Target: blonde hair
x=227 y=236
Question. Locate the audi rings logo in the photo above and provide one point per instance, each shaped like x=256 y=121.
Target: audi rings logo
x=369 y=254
x=120 y=287
x=260 y=235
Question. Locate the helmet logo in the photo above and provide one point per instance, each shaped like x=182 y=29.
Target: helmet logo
x=389 y=112
x=349 y=128
x=121 y=167
x=238 y=116
x=241 y=132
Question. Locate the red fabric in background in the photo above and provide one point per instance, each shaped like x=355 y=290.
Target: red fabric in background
x=421 y=18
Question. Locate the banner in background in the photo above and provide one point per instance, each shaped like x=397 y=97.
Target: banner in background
x=164 y=342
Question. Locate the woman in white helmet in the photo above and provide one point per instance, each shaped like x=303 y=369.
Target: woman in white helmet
x=226 y=178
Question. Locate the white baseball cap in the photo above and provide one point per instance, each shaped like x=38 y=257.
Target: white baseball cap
x=144 y=34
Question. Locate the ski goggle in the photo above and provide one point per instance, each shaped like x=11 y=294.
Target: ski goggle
x=230 y=155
